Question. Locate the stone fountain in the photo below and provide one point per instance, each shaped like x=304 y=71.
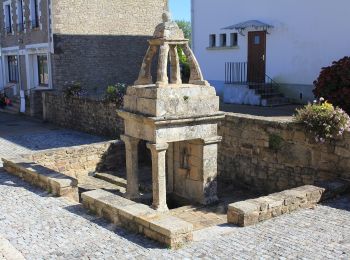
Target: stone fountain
x=179 y=122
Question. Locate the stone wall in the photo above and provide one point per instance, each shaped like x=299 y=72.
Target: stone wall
x=273 y=155
x=101 y=42
x=79 y=161
x=87 y=115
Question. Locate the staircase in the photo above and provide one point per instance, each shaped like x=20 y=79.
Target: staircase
x=269 y=94
x=251 y=87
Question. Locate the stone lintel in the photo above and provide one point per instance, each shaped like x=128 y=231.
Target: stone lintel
x=161 y=41
x=171 y=120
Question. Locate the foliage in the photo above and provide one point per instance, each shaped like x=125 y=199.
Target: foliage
x=116 y=93
x=186 y=28
x=73 y=89
x=185 y=67
x=333 y=84
x=323 y=120
x=275 y=142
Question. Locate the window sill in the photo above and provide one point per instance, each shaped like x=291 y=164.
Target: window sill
x=222 y=48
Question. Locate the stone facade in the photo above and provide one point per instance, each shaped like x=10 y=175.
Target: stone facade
x=274 y=155
x=100 y=43
x=87 y=115
x=97 y=43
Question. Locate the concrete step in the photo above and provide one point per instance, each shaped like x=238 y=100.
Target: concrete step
x=275 y=101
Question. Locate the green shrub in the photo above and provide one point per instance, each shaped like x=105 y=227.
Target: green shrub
x=323 y=120
x=333 y=84
x=116 y=93
x=275 y=142
x=73 y=89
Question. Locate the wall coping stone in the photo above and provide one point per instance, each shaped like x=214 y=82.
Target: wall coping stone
x=138 y=217
x=253 y=211
x=56 y=183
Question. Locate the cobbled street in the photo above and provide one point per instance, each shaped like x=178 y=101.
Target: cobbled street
x=39 y=226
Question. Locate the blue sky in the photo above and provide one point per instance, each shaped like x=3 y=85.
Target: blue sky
x=180 y=9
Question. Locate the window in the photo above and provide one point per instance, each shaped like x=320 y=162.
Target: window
x=223 y=40
x=34 y=15
x=20 y=17
x=234 y=39
x=8 y=20
x=12 y=64
x=212 y=40
x=43 y=74
x=256 y=39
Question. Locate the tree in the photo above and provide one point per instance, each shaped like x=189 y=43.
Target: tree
x=186 y=28
x=185 y=67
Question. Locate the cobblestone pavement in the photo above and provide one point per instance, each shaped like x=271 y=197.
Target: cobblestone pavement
x=19 y=135
x=44 y=227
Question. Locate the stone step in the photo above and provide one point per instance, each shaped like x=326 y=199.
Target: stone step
x=145 y=185
x=90 y=183
x=111 y=179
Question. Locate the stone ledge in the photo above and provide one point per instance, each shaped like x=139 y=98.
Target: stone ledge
x=54 y=182
x=253 y=211
x=140 y=218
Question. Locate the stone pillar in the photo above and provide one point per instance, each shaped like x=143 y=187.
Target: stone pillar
x=145 y=76
x=175 y=66
x=170 y=168
x=132 y=168
x=162 y=73
x=196 y=76
x=158 y=176
x=210 y=169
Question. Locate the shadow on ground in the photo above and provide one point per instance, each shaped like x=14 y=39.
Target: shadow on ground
x=280 y=111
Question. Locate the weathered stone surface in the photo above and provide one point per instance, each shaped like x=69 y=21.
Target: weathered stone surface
x=56 y=183
x=272 y=155
x=138 y=218
x=250 y=212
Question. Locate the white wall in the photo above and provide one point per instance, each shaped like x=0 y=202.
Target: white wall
x=308 y=35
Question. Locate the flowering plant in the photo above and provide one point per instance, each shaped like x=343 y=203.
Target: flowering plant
x=4 y=100
x=323 y=120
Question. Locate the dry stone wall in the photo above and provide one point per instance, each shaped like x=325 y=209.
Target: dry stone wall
x=79 y=161
x=274 y=155
x=87 y=115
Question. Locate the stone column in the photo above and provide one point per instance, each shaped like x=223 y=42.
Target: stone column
x=132 y=168
x=145 y=76
x=210 y=168
x=170 y=168
x=196 y=76
x=162 y=73
x=158 y=176
x=175 y=66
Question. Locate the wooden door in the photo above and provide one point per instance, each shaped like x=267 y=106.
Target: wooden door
x=256 y=56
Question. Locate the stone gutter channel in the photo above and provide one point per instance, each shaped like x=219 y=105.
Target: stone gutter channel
x=165 y=228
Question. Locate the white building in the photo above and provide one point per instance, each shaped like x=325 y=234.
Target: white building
x=289 y=41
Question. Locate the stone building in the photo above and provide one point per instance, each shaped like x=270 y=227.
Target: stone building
x=45 y=43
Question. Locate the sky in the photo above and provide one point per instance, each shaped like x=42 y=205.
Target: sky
x=180 y=9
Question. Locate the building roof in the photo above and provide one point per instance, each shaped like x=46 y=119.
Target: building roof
x=249 y=24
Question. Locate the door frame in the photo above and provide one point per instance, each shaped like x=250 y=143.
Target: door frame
x=256 y=71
